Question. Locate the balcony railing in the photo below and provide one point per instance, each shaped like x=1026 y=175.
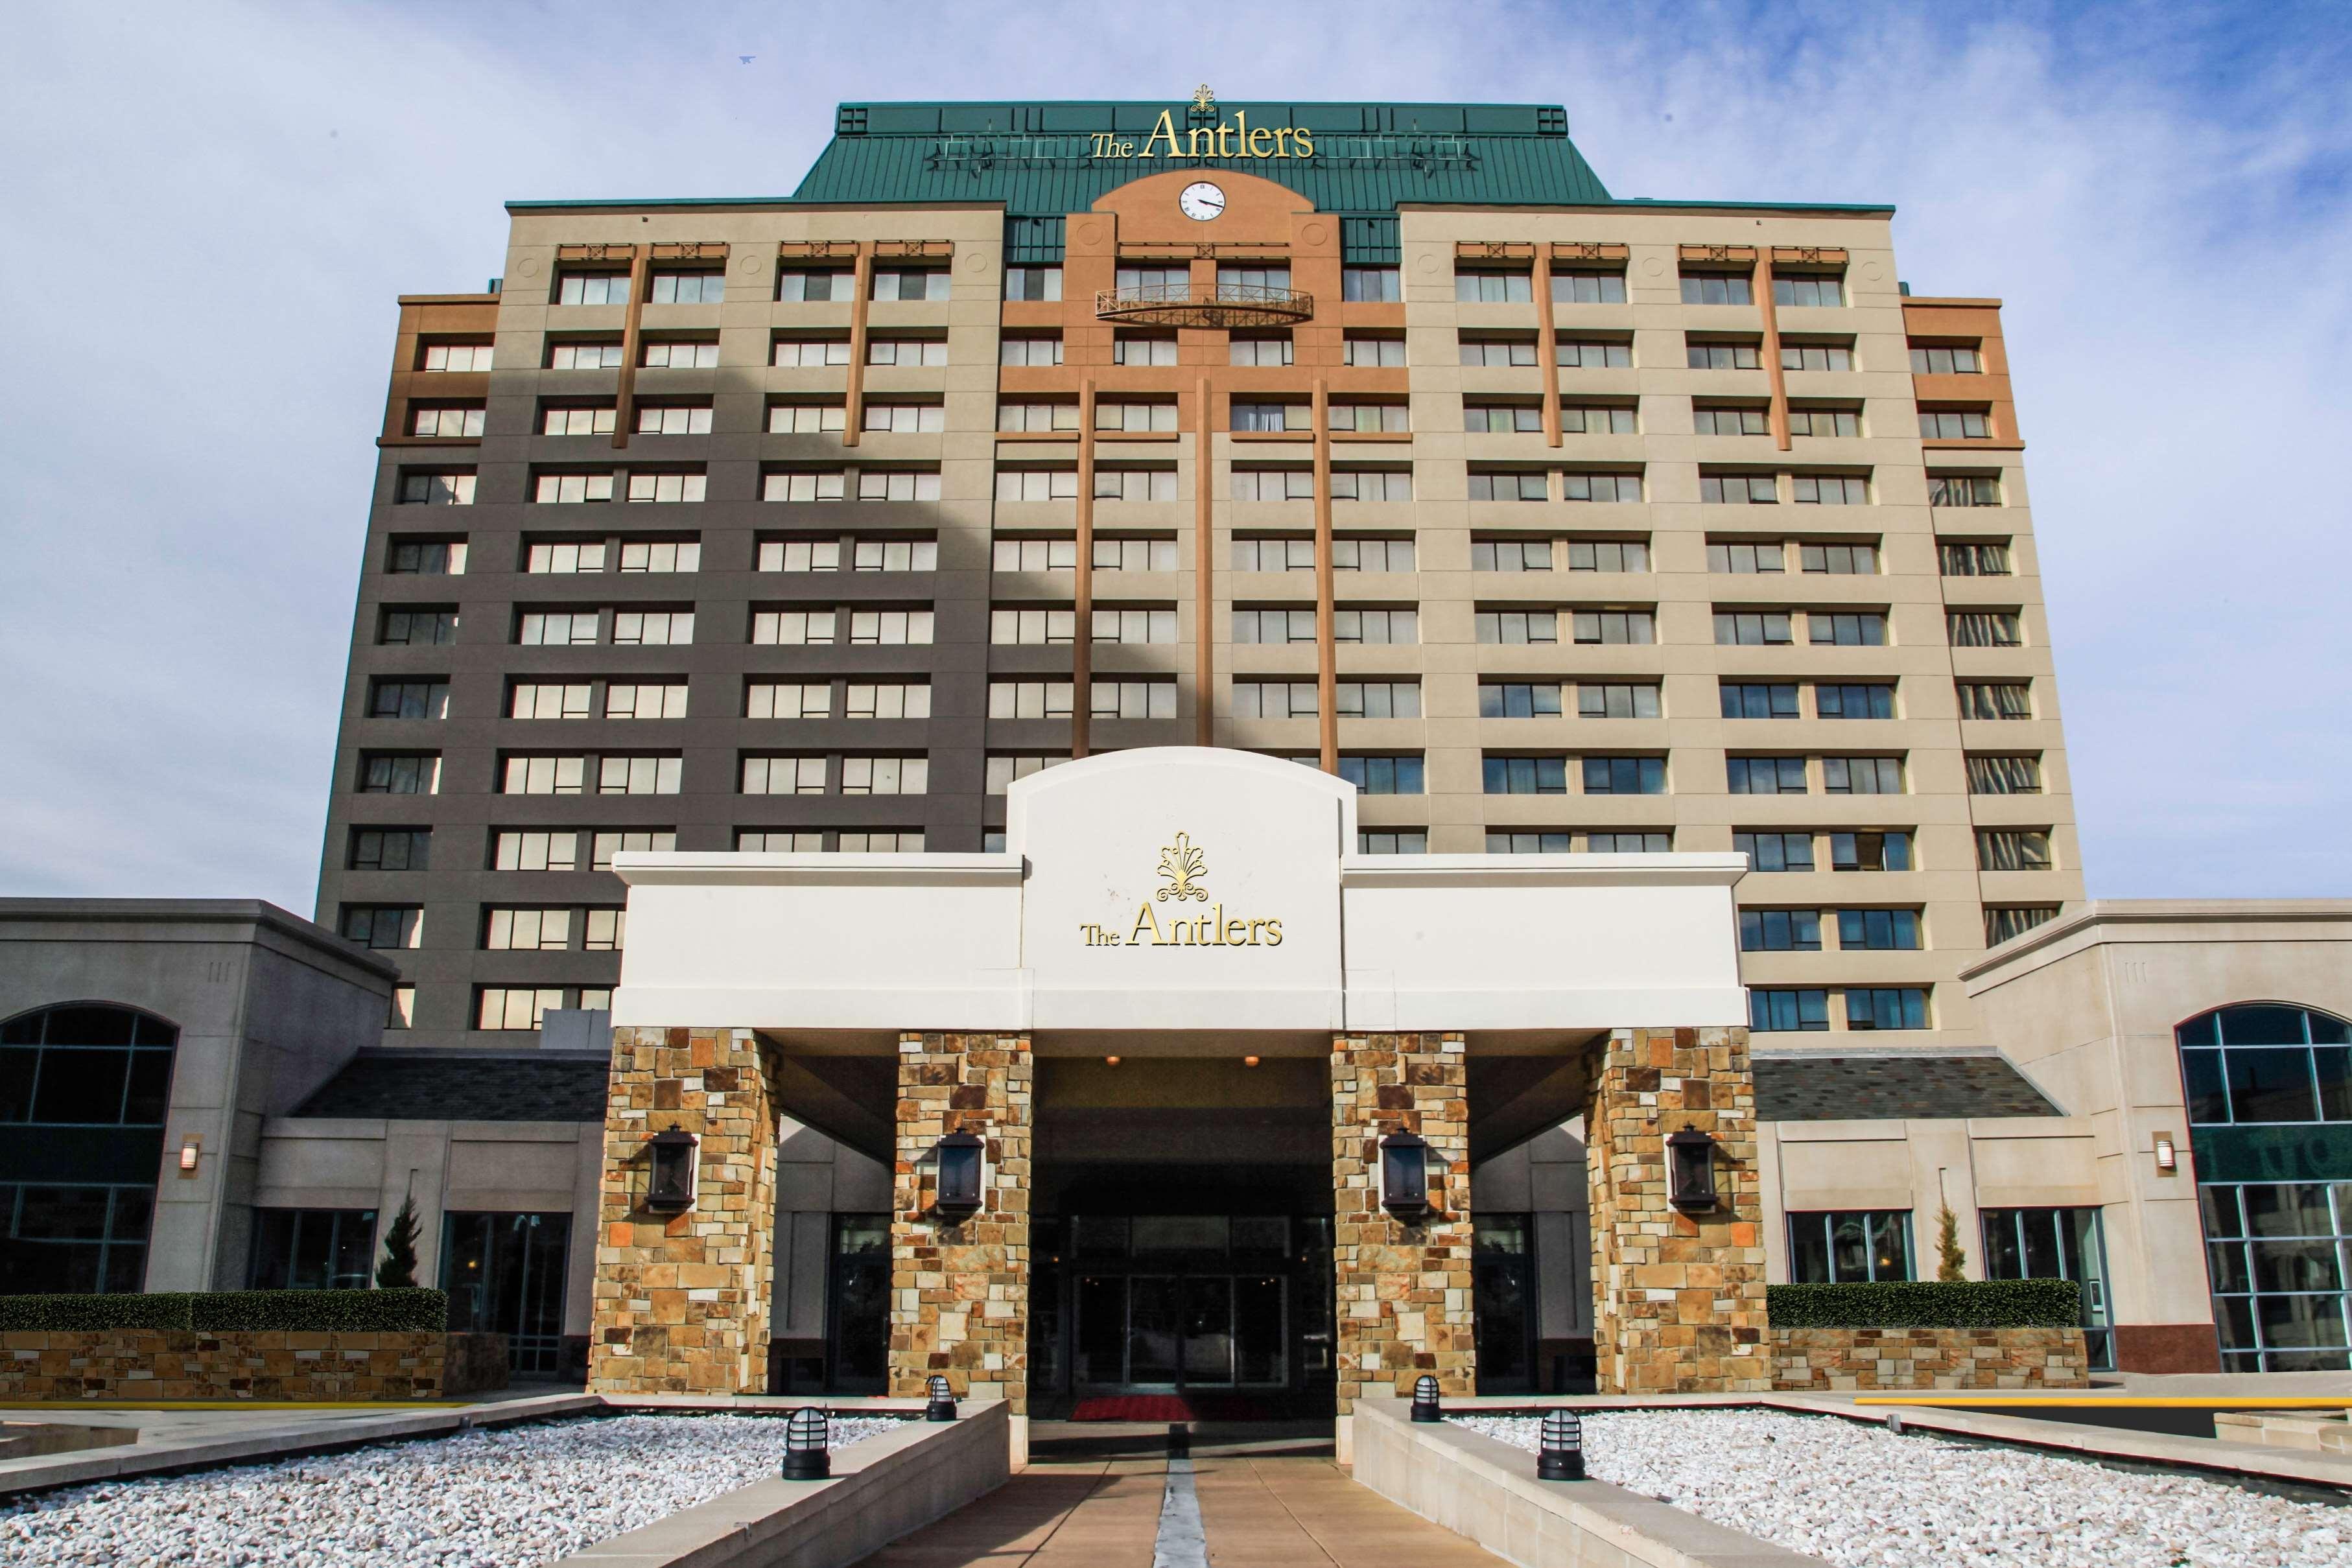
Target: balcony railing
x=1227 y=305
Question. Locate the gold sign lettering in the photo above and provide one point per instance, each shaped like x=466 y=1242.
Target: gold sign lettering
x=1183 y=865
x=1234 y=138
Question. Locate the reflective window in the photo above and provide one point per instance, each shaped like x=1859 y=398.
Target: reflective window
x=86 y=1064
x=2275 y=1255
x=312 y=1249
x=78 y=1240
x=2267 y=1062
x=1843 y=1246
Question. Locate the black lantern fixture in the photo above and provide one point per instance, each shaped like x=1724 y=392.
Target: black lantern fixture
x=1690 y=1171
x=1559 y=1453
x=941 y=1405
x=961 y=1157
x=1404 y=1177
x=807 y=1436
x=1424 y=1399
x=669 y=1185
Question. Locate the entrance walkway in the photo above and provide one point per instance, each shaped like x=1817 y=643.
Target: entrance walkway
x=1280 y=1512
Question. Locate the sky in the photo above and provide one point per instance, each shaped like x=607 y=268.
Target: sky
x=213 y=205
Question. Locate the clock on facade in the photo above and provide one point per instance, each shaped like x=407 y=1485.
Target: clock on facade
x=1200 y=201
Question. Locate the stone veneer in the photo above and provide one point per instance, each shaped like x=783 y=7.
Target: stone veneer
x=185 y=1364
x=1819 y=1360
x=1678 y=1299
x=681 y=1299
x=960 y=1294
x=1403 y=1291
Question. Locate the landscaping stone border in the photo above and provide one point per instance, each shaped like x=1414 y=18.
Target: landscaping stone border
x=1853 y=1360
x=166 y=1365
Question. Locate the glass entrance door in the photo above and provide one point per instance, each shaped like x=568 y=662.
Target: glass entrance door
x=504 y=1273
x=2056 y=1244
x=1182 y=1331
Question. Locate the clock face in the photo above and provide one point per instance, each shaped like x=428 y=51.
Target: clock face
x=1200 y=201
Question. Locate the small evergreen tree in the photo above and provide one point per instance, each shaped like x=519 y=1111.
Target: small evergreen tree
x=1951 y=1261
x=397 y=1272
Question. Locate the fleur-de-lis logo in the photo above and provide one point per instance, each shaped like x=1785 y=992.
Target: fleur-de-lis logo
x=1202 y=99
x=1183 y=866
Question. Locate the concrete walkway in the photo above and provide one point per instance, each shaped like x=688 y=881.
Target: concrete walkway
x=1283 y=1513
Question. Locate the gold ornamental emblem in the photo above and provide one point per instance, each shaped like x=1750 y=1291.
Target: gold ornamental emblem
x=1203 y=99
x=1181 y=866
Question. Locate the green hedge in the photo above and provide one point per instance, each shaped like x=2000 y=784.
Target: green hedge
x=232 y=1311
x=1928 y=1304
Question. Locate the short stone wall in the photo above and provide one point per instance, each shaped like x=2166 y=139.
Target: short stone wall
x=1821 y=1361
x=159 y=1364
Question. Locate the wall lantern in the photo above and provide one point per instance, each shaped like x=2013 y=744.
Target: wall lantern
x=191 y=1147
x=2168 y=1158
x=669 y=1189
x=1559 y=1455
x=1690 y=1171
x=1404 y=1177
x=807 y=1437
x=961 y=1158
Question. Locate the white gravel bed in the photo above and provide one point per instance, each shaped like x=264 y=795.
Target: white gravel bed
x=1863 y=1497
x=509 y=1498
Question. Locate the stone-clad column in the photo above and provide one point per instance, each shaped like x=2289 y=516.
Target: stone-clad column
x=1404 y=1304
x=681 y=1300
x=960 y=1294
x=1678 y=1299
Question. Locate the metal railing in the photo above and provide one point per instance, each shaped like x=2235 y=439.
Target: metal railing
x=1226 y=305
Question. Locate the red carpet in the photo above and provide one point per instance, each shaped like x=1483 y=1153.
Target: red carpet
x=1172 y=1407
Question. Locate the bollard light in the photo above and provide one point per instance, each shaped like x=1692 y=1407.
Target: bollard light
x=942 y=1400
x=1404 y=1177
x=962 y=1158
x=1559 y=1456
x=806 y=1433
x=669 y=1185
x=1424 y=1399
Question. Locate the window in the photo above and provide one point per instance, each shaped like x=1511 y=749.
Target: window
x=1156 y=282
x=1871 y=700
x=894 y=555
x=1393 y=841
x=1376 y=699
x=592 y=288
x=1780 y=931
x=426 y=558
x=1366 y=350
x=1849 y=1247
x=1373 y=625
x=1624 y=775
x=687 y=287
x=1136 y=484
x=1580 y=486
x=1766 y=775
x=1499 y=353
x=1831 y=490
x=1383 y=774
x=1616 y=700
x=1840 y=560
x=1037 y=484
x=1791 y=1010
x=1974 y=560
x=897 y=484
x=457 y=357
x=1718 y=288
x=1996 y=699
x=1002 y=770
x=1596 y=626
x=1984 y=628
x=1889 y=851
x=443 y=420
x=543 y=776
x=632 y=699
x=1816 y=357
x=1245 y=282
x=2003 y=922
x=1701 y=354
x=400 y=773
x=1370 y=418
x=1127 y=699
x=1370 y=484
x=1510 y=486
x=573 y=489
x=673 y=419
x=1511 y=554
x=929 y=283
x=1370 y=285
x=2013 y=848
x=887 y=699
x=1519 y=699
x=1278 y=699
x=1885 y=1007
x=1862 y=775
x=382 y=924
x=666 y=487
x=794 y=628
x=1275 y=348
x=1493 y=287
x=1745 y=559
x=1273 y=625
x=525 y=930
x=1143 y=349
x=1624 y=843
x=556 y=628
x=1593 y=354
x=598 y=355
x=1033 y=283
x=1529 y=842
x=825 y=485
x=1929 y=359
x=436 y=489
x=520 y=1006
x=1992 y=775
x=1824 y=422
x=783 y=776
x=893 y=628
x=391 y=849
x=906 y=418
x=811 y=285
x=1034 y=554
x=1586 y=285
x=661 y=554
x=1275 y=554
x=1034 y=625
x=1775 y=852
x=1501 y=417
x=1738 y=490
x=1749 y=700
x=1036 y=416
x=408 y=699
x=1512 y=627
x=653 y=628
x=1878 y=931
x=851 y=840
x=1597 y=420
x=1954 y=425
x=677 y=354
x=603 y=844
x=312 y=1249
x=884 y=775
x=1028 y=351
x=1272 y=484
x=1372 y=555
x=2266 y=1063
x=581 y=418
x=765 y=699
x=1752 y=628
x=1846 y=629
x=1726 y=419
x=1270 y=416
x=1525 y=775
x=812 y=353
x=414 y=627
x=1808 y=288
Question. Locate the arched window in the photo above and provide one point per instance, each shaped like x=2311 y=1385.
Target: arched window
x=86 y=1064
x=2267 y=1062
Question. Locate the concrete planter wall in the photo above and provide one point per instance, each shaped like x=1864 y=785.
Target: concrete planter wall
x=178 y=1363
x=1824 y=1359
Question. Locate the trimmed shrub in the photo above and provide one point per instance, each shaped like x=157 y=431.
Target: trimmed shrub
x=1928 y=1304
x=232 y=1311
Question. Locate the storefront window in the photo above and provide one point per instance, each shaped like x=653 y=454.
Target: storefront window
x=2276 y=1254
x=1841 y=1246
x=313 y=1249
x=2056 y=1244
